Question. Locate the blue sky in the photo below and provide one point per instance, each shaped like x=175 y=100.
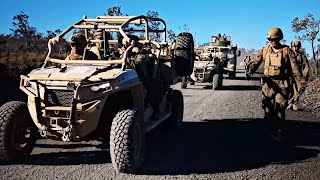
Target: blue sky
x=247 y=21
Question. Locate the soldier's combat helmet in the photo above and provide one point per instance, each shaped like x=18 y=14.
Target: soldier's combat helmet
x=275 y=33
x=78 y=38
x=296 y=43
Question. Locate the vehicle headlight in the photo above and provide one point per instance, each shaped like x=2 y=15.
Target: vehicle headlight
x=32 y=85
x=101 y=87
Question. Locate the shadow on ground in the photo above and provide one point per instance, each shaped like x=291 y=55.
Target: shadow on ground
x=254 y=78
x=240 y=88
x=70 y=158
x=226 y=145
x=209 y=146
x=63 y=146
x=228 y=87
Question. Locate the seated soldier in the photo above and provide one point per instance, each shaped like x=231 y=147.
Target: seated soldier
x=136 y=59
x=122 y=47
x=78 y=43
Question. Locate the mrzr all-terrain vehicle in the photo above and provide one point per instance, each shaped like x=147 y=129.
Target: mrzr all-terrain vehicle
x=116 y=98
x=219 y=58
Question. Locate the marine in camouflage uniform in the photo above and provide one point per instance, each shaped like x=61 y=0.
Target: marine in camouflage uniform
x=303 y=66
x=143 y=62
x=78 y=42
x=279 y=66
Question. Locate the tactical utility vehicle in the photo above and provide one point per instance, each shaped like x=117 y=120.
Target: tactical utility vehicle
x=117 y=98
x=219 y=58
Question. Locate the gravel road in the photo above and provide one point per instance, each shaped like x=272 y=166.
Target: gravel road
x=221 y=138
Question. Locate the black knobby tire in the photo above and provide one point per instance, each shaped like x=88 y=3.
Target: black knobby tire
x=232 y=75
x=176 y=117
x=184 y=82
x=127 y=141
x=184 y=54
x=217 y=79
x=235 y=69
x=17 y=132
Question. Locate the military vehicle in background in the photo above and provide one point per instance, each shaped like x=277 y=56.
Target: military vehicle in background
x=116 y=98
x=212 y=61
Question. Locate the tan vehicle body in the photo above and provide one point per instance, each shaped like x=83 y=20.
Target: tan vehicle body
x=119 y=96
x=214 y=60
x=81 y=76
x=89 y=103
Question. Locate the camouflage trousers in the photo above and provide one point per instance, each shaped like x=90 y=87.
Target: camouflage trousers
x=296 y=95
x=274 y=103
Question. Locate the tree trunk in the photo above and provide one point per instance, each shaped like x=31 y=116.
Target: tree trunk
x=314 y=58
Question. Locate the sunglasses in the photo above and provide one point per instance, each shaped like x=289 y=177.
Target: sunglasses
x=272 y=39
x=75 y=44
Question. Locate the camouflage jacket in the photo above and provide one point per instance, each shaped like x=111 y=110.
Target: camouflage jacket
x=280 y=65
x=73 y=56
x=89 y=56
x=303 y=64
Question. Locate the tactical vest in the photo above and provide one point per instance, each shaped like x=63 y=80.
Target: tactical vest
x=88 y=56
x=73 y=56
x=276 y=63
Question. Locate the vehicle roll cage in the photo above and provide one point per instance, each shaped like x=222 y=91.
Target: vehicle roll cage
x=113 y=24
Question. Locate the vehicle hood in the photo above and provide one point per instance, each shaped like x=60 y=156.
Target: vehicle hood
x=202 y=64
x=75 y=73
x=221 y=55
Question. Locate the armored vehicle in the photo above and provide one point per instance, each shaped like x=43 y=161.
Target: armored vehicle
x=219 y=58
x=116 y=98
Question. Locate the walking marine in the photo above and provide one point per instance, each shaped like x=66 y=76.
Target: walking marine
x=303 y=66
x=280 y=66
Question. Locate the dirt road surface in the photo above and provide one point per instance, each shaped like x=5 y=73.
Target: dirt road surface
x=222 y=137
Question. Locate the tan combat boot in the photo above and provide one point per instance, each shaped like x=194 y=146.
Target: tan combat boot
x=295 y=107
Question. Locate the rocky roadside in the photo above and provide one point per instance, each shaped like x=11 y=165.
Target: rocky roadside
x=310 y=99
